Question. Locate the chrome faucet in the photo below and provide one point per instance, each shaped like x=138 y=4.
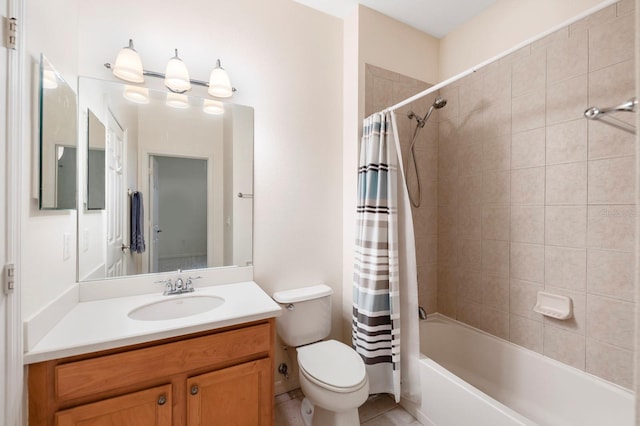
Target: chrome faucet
x=179 y=286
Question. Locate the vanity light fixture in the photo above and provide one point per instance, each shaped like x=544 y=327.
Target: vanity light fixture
x=177 y=100
x=176 y=76
x=213 y=107
x=137 y=94
x=128 y=67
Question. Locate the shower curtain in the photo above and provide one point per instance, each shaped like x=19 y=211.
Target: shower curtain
x=385 y=281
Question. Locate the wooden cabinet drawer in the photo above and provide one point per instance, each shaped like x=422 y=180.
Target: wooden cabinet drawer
x=105 y=373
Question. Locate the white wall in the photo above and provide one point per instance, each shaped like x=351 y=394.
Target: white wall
x=44 y=272
x=501 y=27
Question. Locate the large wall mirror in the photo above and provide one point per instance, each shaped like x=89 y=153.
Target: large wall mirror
x=58 y=140
x=167 y=182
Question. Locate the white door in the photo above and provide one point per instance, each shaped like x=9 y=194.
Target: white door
x=116 y=200
x=154 y=214
x=4 y=318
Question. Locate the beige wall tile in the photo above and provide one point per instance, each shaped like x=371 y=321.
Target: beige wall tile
x=551 y=39
x=470 y=254
x=496 y=187
x=470 y=190
x=496 y=153
x=495 y=322
x=607 y=141
x=527 y=186
x=497 y=82
x=526 y=332
x=470 y=222
x=600 y=17
x=528 y=149
x=527 y=262
x=450 y=93
x=567 y=58
x=472 y=127
x=528 y=111
x=610 y=362
x=495 y=222
x=577 y=323
x=625 y=6
x=428 y=286
x=613 y=85
x=425 y=221
x=527 y=224
x=495 y=291
x=566 y=267
x=610 y=273
x=470 y=93
x=470 y=285
x=447 y=219
x=447 y=303
x=612 y=181
x=447 y=251
x=497 y=118
x=567 y=100
x=470 y=313
x=566 y=184
x=564 y=346
x=382 y=93
x=567 y=142
x=522 y=298
x=447 y=149
x=495 y=257
x=612 y=227
x=448 y=279
x=529 y=73
x=566 y=226
x=447 y=190
x=611 y=42
x=470 y=159
x=610 y=321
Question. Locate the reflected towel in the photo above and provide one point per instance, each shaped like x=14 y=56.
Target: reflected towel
x=137 y=223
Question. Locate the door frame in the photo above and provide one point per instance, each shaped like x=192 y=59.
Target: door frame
x=17 y=105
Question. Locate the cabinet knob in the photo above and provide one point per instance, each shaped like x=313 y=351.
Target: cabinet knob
x=162 y=400
x=194 y=389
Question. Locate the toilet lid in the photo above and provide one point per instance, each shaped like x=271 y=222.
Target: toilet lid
x=333 y=363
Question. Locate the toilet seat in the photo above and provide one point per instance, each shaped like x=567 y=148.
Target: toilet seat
x=333 y=366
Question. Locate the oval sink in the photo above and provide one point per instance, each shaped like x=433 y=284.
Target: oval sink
x=175 y=308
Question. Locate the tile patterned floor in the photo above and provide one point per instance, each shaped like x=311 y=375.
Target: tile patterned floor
x=379 y=410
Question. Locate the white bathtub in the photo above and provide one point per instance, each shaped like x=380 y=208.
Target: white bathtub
x=469 y=377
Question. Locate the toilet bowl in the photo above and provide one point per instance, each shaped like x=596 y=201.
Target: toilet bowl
x=333 y=377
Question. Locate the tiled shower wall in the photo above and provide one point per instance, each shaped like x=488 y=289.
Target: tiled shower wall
x=520 y=193
x=385 y=88
x=532 y=196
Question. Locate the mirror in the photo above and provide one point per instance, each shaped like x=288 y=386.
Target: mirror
x=164 y=187
x=58 y=135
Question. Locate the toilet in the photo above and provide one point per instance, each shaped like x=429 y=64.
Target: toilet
x=332 y=375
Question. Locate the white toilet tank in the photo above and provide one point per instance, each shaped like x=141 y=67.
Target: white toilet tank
x=306 y=314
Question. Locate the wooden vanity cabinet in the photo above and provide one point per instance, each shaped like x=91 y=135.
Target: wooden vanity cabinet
x=221 y=377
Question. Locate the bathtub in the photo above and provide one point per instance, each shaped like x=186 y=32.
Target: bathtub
x=469 y=377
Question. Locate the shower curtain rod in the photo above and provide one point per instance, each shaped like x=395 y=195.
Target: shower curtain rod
x=499 y=56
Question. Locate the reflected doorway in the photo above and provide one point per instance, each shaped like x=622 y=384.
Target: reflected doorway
x=178 y=212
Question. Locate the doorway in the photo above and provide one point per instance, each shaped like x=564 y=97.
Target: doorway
x=178 y=213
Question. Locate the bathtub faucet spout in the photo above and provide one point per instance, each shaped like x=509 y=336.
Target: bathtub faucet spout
x=422 y=313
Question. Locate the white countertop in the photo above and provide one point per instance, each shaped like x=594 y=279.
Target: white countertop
x=104 y=324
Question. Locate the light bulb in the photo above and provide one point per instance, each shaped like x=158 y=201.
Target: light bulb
x=219 y=83
x=176 y=75
x=128 y=65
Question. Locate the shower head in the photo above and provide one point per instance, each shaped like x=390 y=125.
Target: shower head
x=437 y=104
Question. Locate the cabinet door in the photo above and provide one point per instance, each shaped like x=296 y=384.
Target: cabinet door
x=241 y=395
x=151 y=407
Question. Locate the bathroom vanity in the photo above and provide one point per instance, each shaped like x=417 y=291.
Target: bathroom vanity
x=212 y=368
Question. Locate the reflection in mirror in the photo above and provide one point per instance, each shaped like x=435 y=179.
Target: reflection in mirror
x=171 y=179
x=58 y=134
x=95 y=164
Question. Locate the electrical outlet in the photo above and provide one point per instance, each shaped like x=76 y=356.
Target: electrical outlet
x=66 y=246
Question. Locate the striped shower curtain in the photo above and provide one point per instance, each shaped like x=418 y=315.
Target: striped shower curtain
x=376 y=301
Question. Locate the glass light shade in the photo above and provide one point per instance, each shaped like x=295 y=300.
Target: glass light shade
x=219 y=83
x=137 y=94
x=177 y=100
x=213 y=107
x=128 y=66
x=176 y=75
x=60 y=152
x=49 y=79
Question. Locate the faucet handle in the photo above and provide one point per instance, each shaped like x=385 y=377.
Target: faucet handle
x=168 y=285
x=189 y=284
